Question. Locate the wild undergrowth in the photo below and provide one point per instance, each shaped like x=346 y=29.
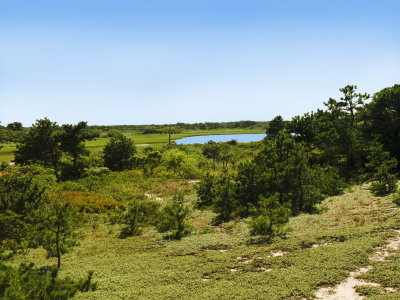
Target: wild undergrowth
x=222 y=262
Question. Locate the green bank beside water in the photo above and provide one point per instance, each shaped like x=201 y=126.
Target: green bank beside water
x=141 y=140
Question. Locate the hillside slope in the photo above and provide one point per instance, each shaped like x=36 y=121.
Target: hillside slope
x=219 y=263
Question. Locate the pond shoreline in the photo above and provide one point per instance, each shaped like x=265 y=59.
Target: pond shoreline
x=202 y=139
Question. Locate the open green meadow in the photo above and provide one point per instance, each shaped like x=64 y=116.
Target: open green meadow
x=141 y=140
x=6 y=153
x=222 y=262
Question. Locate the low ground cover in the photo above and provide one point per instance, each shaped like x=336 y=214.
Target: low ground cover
x=221 y=262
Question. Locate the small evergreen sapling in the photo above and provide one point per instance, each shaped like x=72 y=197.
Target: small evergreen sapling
x=140 y=213
x=57 y=229
x=206 y=191
x=381 y=166
x=271 y=217
x=174 y=219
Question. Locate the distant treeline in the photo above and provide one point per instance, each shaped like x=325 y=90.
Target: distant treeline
x=179 y=127
x=13 y=132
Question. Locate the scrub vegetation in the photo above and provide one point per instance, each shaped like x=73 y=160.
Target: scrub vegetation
x=277 y=219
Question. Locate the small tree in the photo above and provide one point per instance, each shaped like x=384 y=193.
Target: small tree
x=139 y=214
x=174 y=159
x=225 y=204
x=150 y=160
x=225 y=155
x=181 y=163
x=57 y=229
x=118 y=153
x=275 y=126
x=23 y=192
x=212 y=151
x=41 y=145
x=206 y=191
x=72 y=143
x=30 y=282
x=271 y=216
x=174 y=218
x=381 y=165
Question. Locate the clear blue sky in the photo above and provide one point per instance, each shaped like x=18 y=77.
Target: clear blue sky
x=168 y=61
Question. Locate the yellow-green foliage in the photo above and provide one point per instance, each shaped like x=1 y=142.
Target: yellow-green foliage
x=6 y=152
x=89 y=202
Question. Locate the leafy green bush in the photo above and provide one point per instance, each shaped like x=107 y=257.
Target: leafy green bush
x=23 y=193
x=139 y=214
x=174 y=219
x=96 y=171
x=118 y=153
x=56 y=227
x=381 y=168
x=206 y=191
x=181 y=163
x=30 y=283
x=226 y=204
x=396 y=199
x=384 y=188
x=271 y=216
x=89 y=201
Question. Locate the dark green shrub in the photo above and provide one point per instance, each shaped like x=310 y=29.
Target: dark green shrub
x=226 y=204
x=206 y=191
x=174 y=219
x=271 y=216
x=140 y=213
x=381 y=167
x=118 y=153
x=30 y=283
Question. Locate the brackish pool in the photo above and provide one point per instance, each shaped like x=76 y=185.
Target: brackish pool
x=202 y=139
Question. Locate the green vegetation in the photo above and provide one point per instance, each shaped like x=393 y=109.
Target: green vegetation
x=118 y=153
x=173 y=219
x=24 y=192
x=141 y=140
x=56 y=229
x=202 y=265
x=140 y=213
x=7 y=152
x=214 y=221
x=270 y=218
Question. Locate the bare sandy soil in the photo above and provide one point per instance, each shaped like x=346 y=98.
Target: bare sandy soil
x=346 y=289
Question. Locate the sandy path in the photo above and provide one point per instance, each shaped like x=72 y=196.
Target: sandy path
x=346 y=289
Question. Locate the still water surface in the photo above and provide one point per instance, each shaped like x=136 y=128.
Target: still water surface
x=202 y=139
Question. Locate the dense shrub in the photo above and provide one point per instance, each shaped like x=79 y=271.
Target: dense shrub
x=174 y=219
x=140 y=213
x=270 y=217
x=381 y=167
x=89 y=201
x=118 y=153
x=206 y=191
x=29 y=283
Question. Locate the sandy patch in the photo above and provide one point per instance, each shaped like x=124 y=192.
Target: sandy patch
x=278 y=253
x=384 y=252
x=319 y=245
x=154 y=197
x=346 y=289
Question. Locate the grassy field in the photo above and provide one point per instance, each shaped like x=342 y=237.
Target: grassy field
x=6 y=153
x=141 y=140
x=222 y=263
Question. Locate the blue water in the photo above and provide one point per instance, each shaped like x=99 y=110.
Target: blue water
x=202 y=139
